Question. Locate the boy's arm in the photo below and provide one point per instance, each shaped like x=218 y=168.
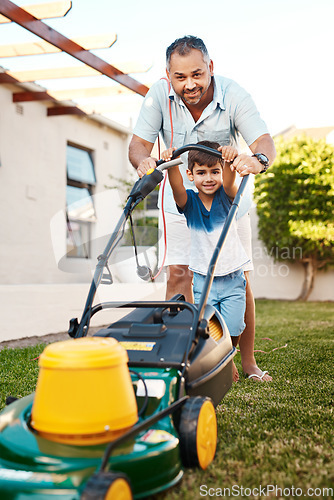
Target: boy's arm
x=229 y=184
x=229 y=153
x=176 y=182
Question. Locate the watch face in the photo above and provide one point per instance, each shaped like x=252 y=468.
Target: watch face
x=262 y=159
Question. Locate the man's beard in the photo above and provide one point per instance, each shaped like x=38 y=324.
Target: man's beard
x=193 y=102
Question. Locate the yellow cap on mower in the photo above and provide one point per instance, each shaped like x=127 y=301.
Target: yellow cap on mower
x=84 y=393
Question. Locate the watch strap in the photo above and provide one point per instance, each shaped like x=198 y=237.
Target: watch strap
x=263 y=159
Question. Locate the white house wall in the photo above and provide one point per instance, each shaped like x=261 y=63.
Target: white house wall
x=283 y=280
x=33 y=187
x=38 y=292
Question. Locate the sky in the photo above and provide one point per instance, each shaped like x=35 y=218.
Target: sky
x=280 y=51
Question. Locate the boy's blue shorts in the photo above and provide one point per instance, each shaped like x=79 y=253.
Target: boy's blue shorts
x=228 y=296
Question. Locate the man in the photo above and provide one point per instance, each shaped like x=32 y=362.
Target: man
x=197 y=106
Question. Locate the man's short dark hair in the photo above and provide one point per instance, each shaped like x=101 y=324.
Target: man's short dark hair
x=203 y=158
x=184 y=45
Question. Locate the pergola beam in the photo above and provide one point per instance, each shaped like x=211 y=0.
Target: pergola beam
x=32 y=96
x=84 y=93
x=65 y=110
x=67 y=94
x=38 y=96
x=42 y=47
x=114 y=106
x=31 y=75
x=45 y=10
x=37 y=27
x=6 y=78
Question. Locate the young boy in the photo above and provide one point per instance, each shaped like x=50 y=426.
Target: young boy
x=206 y=212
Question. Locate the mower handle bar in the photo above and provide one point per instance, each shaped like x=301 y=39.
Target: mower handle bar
x=162 y=164
x=168 y=164
x=146 y=184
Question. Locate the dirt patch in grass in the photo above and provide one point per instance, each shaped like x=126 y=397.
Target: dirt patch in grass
x=43 y=339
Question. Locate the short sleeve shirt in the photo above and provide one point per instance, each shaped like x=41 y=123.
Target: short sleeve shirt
x=230 y=113
x=205 y=229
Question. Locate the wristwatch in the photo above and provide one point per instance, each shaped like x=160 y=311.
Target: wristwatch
x=262 y=158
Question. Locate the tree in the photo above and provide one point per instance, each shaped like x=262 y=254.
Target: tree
x=295 y=206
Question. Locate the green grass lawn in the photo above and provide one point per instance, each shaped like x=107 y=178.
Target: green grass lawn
x=277 y=435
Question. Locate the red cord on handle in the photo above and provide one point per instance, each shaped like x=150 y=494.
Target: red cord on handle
x=164 y=183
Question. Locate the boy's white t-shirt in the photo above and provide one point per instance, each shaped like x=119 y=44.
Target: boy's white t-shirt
x=205 y=229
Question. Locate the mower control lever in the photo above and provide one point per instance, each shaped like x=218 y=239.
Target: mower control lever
x=153 y=177
x=163 y=165
x=145 y=185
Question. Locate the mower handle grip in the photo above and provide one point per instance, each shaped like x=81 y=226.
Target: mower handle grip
x=196 y=147
x=163 y=165
x=183 y=149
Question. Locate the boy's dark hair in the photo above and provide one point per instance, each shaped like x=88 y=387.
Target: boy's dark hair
x=203 y=158
x=184 y=45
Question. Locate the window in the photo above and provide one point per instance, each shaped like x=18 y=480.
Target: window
x=80 y=209
x=152 y=200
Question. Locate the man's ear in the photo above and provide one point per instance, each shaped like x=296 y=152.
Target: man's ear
x=190 y=175
x=211 y=67
x=167 y=73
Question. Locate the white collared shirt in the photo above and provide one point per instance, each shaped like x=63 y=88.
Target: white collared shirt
x=232 y=111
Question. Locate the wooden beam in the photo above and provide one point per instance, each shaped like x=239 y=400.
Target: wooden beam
x=84 y=93
x=32 y=96
x=101 y=108
x=45 y=10
x=71 y=72
x=37 y=27
x=53 y=73
x=6 y=78
x=65 y=110
x=68 y=94
x=41 y=47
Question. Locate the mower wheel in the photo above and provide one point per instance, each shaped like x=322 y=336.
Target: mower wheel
x=107 y=486
x=198 y=432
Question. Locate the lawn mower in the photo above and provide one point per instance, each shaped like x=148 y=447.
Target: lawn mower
x=120 y=414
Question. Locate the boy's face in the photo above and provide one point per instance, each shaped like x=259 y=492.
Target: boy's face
x=207 y=179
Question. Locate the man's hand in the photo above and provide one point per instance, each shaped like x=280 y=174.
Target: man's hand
x=145 y=165
x=245 y=164
x=139 y=155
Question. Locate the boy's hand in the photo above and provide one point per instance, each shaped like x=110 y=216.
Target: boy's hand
x=167 y=155
x=228 y=153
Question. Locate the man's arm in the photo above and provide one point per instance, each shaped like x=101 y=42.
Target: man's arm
x=245 y=164
x=139 y=155
x=176 y=182
x=264 y=144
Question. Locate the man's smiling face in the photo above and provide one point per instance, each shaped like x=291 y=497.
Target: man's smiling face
x=190 y=76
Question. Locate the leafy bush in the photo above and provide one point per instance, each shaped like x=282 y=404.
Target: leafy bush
x=295 y=204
